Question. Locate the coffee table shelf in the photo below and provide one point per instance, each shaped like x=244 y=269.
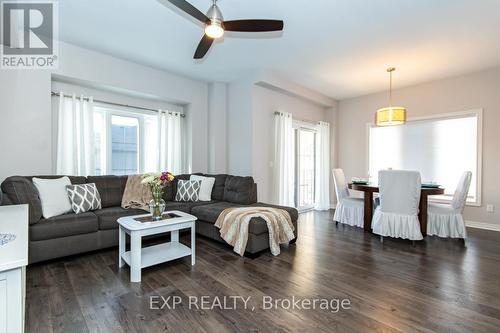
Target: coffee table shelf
x=157 y=254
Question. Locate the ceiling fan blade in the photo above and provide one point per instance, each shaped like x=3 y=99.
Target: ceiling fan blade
x=203 y=47
x=253 y=25
x=189 y=9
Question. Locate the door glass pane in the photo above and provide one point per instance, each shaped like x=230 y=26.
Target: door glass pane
x=124 y=145
x=306 y=168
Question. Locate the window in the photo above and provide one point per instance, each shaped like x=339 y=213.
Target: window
x=124 y=145
x=441 y=148
x=126 y=142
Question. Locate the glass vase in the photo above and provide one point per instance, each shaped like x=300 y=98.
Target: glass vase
x=157 y=205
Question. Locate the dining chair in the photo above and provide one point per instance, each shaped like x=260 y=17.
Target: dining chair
x=397 y=215
x=446 y=220
x=349 y=210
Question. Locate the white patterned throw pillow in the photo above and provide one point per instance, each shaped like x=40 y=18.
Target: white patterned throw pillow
x=188 y=190
x=84 y=197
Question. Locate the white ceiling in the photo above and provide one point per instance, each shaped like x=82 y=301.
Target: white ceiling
x=338 y=47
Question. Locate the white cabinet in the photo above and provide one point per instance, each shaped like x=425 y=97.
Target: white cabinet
x=12 y=301
x=13 y=261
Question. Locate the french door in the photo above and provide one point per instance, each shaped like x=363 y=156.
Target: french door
x=305 y=167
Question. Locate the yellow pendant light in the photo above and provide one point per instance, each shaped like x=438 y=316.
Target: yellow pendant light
x=391 y=115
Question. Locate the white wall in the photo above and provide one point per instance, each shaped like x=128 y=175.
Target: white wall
x=25 y=123
x=239 y=128
x=217 y=127
x=473 y=91
x=25 y=105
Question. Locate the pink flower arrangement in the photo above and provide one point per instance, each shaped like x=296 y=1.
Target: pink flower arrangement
x=157 y=182
x=166 y=177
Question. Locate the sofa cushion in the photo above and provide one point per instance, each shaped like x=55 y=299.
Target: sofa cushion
x=63 y=226
x=210 y=213
x=218 y=189
x=75 y=180
x=206 y=187
x=20 y=190
x=84 y=197
x=186 y=207
x=294 y=213
x=107 y=217
x=188 y=190
x=53 y=196
x=110 y=189
x=238 y=190
x=171 y=188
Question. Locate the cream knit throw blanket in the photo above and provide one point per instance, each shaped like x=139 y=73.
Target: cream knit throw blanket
x=136 y=195
x=233 y=225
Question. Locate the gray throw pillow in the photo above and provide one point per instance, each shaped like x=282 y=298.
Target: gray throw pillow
x=84 y=197
x=188 y=190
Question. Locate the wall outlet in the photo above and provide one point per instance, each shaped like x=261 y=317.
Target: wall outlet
x=490 y=208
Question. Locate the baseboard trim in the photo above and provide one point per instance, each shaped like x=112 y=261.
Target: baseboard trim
x=482 y=225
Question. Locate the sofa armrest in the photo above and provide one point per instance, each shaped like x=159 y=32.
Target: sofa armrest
x=4 y=199
x=20 y=191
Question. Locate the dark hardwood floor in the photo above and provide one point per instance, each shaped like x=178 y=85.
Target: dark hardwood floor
x=436 y=286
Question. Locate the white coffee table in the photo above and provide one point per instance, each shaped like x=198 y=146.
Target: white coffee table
x=138 y=257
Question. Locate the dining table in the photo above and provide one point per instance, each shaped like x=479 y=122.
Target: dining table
x=369 y=189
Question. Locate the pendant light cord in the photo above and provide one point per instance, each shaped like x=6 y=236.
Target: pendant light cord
x=390 y=70
x=390 y=88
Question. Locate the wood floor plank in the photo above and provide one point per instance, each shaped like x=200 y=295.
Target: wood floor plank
x=436 y=286
x=37 y=288
x=66 y=314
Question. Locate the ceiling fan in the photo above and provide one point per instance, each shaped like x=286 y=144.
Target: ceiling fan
x=215 y=24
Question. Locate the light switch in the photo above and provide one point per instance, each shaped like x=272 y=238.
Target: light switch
x=490 y=208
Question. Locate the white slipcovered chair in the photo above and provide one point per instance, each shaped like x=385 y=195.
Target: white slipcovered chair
x=446 y=220
x=349 y=210
x=397 y=215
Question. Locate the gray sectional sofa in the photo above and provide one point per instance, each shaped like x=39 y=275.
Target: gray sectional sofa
x=71 y=234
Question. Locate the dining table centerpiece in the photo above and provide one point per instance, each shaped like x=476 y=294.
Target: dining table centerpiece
x=157 y=182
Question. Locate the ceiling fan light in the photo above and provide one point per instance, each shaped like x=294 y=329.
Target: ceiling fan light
x=214 y=30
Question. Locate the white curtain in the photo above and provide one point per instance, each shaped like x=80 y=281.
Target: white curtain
x=170 y=129
x=75 y=136
x=322 y=195
x=283 y=173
